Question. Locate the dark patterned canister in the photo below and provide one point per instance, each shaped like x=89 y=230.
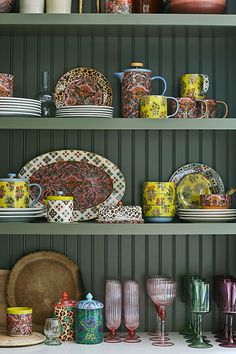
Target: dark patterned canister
x=64 y=311
x=19 y=321
x=89 y=321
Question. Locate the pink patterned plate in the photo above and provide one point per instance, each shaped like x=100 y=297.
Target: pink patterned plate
x=83 y=86
x=90 y=178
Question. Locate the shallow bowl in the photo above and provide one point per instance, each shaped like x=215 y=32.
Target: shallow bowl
x=216 y=201
x=198 y=6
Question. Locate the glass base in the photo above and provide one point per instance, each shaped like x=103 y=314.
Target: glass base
x=110 y=339
x=161 y=344
x=154 y=334
x=200 y=345
x=157 y=338
x=132 y=340
x=125 y=336
x=52 y=342
x=228 y=345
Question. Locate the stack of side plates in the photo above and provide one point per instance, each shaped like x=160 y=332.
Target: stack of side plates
x=21 y=214
x=207 y=215
x=19 y=107
x=85 y=111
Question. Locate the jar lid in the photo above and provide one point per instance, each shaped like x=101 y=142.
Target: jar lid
x=60 y=196
x=65 y=301
x=89 y=304
x=19 y=310
x=11 y=178
x=136 y=65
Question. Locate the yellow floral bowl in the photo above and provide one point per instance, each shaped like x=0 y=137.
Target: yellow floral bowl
x=158 y=193
x=165 y=210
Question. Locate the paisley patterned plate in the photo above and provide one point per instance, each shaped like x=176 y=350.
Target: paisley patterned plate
x=90 y=178
x=83 y=86
x=195 y=179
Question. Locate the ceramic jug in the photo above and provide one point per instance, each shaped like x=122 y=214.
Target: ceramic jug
x=14 y=192
x=135 y=83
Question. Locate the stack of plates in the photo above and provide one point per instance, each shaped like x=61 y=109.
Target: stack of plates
x=207 y=215
x=85 y=111
x=19 y=107
x=21 y=214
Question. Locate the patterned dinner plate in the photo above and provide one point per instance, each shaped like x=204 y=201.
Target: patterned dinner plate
x=90 y=178
x=192 y=180
x=83 y=86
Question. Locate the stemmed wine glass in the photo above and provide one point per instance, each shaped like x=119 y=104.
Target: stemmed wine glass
x=113 y=310
x=162 y=293
x=52 y=330
x=131 y=310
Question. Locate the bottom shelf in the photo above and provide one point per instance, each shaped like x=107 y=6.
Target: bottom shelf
x=144 y=347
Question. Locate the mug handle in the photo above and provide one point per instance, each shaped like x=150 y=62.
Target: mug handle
x=205 y=86
x=226 y=108
x=205 y=115
x=177 y=105
x=39 y=195
x=164 y=82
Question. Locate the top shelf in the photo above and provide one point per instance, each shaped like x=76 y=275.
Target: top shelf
x=65 y=22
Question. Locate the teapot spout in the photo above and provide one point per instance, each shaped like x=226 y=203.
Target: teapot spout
x=119 y=75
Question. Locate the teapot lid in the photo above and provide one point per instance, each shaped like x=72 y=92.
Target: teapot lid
x=136 y=65
x=89 y=304
x=65 y=301
x=11 y=178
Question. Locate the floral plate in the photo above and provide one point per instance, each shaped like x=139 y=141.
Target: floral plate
x=83 y=86
x=90 y=178
x=194 y=179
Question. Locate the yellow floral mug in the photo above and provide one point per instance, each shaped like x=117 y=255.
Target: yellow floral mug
x=194 y=86
x=15 y=192
x=154 y=106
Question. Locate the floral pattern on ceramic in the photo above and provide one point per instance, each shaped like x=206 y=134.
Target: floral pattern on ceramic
x=163 y=210
x=19 y=321
x=194 y=86
x=60 y=210
x=190 y=188
x=67 y=166
x=120 y=213
x=6 y=85
x=83 y=86
x=118 y=6
x=6 y=6
x=189 y=108
x=158 y=193
x=156 y=107
x=212 y=108
x=216 y=201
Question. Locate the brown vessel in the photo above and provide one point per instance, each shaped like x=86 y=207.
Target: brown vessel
x=198 y=6
x=147 y=6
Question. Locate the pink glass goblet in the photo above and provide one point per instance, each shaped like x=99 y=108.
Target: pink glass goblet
x=131 y=310
x=229 y=308
x=113 y=310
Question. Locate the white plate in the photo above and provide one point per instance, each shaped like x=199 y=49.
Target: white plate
x=23 y=218
x=23 y=210
x=20 y=215
x=20 y=110
x=203 y=211
x=18 y=99
x=19 y=114
x=87 y=106
x=208 y=219
x=208 y=216
x=83 y=115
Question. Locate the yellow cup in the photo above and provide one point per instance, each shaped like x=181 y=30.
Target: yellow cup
x=154 y=106
x=158 y=193
x=194 y=86
x=155 y=210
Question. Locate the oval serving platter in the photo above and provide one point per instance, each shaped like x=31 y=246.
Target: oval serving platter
x=90 y=178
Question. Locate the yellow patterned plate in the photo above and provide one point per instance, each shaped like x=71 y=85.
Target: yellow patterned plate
x=190 y=188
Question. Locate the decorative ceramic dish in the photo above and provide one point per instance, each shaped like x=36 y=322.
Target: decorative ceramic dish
x=216 y=201
x=83 y=86
x=120 y=214
x=198 y=6
x=91 y=179
x=189 y=188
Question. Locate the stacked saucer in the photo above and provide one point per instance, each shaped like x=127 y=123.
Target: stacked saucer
x=207 y=215
x=85 y=111
x=19 y=107
x=22 y=214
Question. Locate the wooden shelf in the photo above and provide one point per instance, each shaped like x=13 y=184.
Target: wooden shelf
x=117 y=124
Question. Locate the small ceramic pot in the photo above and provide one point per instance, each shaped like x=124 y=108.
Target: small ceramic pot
x=147 y=6
x=118 y=6
x=158 y=193
x=162 y=211
x=216 y=201
x=6 y=85
x=19 y=321
x=189 y=108
x=154 y=106
x=6 y=5
x=198 y=6
x=29 y=6
x=58 y=6
x=194 y=86
x=60 y=208
x=212 y=108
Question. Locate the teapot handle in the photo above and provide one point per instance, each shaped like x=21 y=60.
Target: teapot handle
x=39 y=194
x=164 y=82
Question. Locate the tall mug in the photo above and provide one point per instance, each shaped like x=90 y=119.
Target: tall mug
x=194 y=86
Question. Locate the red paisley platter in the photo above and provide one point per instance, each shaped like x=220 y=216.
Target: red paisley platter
x=90 y=178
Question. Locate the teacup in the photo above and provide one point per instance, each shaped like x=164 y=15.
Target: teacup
x=31 y=6
x=211 y=105
x=189 y=108
x=6 y=85
x=194 y=86
x=216 y=201
x=154 y=106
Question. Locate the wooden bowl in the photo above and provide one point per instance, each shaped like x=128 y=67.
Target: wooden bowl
x=198 y=6
x=6 y=5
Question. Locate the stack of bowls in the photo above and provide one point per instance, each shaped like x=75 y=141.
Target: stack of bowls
x=159 y=201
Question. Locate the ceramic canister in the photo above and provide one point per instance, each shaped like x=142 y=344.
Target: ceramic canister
x=60 y=208
x=89 y=321
x=19 y=321
x=64 y=311
x=159 y=193
x=6 y=84
x=118 y=6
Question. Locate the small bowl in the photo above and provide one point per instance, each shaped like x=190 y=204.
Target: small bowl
x=198 y=6
x=6 y=5
x=216 y=201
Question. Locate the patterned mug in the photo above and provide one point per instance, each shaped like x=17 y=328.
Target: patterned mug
x=118 y=6
x=212 y=108
x=6 y=85
x=60 y=208
x=156 y=106
x=188 y=108
x=194 y=85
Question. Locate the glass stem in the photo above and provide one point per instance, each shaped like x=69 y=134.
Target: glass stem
x=158 y=325
x=112 y=333
x=200 y=332
x=163 y=316
x=226 y=329
x=131 y=333
x=230 y=339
